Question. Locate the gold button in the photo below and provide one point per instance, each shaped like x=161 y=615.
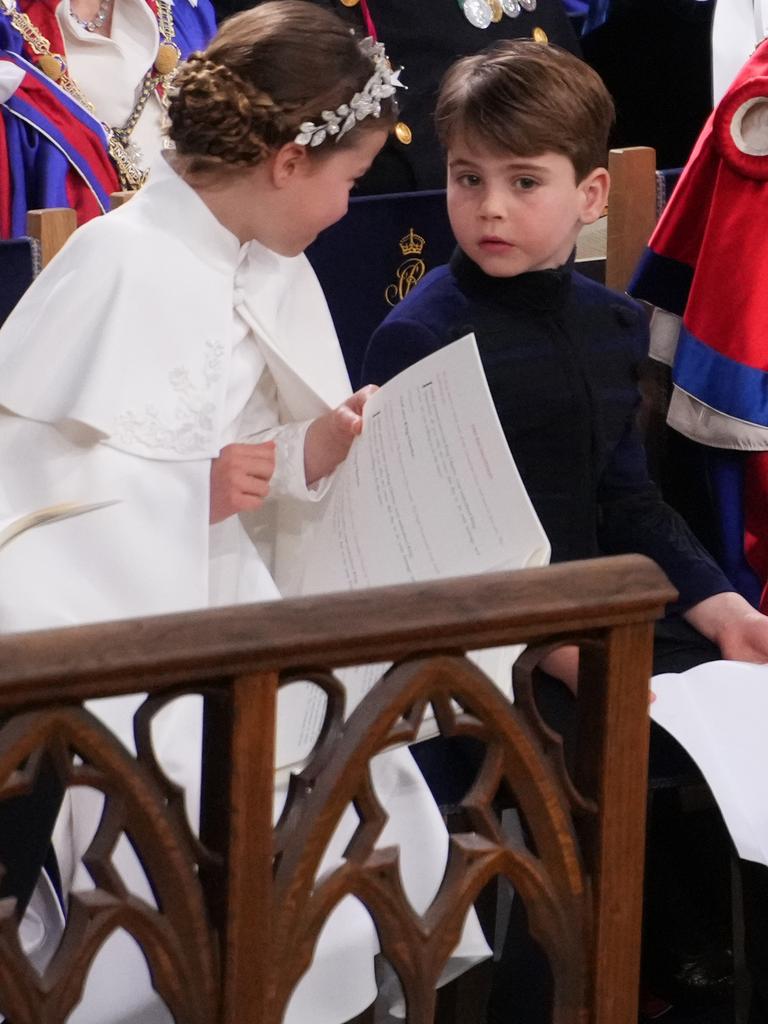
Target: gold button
x=403 y=133
x=539 y=35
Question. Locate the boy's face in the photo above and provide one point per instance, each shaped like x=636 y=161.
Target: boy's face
x=513 y=214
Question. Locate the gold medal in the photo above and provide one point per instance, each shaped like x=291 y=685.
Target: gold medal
x=167 y=58
x=539 y=35
x=497 y=11
x=403 y=133
x=350 y=3
x=51 y=67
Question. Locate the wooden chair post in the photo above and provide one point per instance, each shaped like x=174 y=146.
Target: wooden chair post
x=249 y=878
x=612 y=690
x=631 y=211
x=117 y=199
x=51 y=228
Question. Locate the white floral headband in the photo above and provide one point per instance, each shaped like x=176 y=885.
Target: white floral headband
x=380 y=86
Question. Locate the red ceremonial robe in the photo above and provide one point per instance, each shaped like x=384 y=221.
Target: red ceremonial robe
x=705 y=263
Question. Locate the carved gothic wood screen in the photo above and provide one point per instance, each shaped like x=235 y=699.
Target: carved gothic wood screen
x=234 y=913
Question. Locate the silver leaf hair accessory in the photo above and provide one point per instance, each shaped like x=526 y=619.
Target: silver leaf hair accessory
x=366 y=103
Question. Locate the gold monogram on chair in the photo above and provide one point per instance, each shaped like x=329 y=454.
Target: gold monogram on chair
x=410 y=271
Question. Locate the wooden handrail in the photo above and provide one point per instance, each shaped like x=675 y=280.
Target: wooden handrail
x=465 y=613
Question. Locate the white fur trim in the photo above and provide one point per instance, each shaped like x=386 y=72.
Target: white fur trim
x=701 y=423
x=11 y=78
x=751 y=138
x=665 y=331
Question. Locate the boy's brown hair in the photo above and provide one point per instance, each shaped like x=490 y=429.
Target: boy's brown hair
x=527 y=98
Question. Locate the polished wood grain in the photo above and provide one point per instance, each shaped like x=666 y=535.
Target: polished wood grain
x=480 y=611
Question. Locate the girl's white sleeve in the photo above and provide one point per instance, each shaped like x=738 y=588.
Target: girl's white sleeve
x=289 y=479
x=259 y=422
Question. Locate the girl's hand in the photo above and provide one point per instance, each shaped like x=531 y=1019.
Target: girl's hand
x=240 y=478
x=330 y=437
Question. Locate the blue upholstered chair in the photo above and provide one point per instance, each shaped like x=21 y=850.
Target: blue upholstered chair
x=19 y=264
x=370 y=260
x=21 y=259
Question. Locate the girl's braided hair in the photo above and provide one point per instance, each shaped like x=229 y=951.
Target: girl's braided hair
x=268 y=70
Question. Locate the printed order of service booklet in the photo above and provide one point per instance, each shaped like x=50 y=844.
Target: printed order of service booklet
x=429 y=490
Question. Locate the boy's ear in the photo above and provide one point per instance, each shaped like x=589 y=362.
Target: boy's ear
x=594 y=190
x=288 y=162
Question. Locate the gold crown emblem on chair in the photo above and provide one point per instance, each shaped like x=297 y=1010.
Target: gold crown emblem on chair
x=412 y=244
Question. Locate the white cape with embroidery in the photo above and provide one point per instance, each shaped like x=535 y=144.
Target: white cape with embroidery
x=151 y=341
x=125 y=343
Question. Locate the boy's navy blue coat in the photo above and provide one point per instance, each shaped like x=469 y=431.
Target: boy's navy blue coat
x=562 y=356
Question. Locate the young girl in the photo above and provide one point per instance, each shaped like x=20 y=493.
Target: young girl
x=146 y=361
x=185 y=322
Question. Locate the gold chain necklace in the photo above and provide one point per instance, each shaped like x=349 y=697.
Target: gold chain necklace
x=54 y=66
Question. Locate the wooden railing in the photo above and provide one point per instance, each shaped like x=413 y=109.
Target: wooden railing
x=240 y=909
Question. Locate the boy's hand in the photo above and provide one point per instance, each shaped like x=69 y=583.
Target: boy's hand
x=240 y=478
x=330 y=437
x=739 y=630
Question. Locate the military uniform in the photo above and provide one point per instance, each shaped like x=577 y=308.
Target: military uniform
x=426 y=37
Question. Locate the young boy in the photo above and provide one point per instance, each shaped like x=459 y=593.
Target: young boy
x=525 y=127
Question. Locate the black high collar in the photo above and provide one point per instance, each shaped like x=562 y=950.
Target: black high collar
x=538 y=290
